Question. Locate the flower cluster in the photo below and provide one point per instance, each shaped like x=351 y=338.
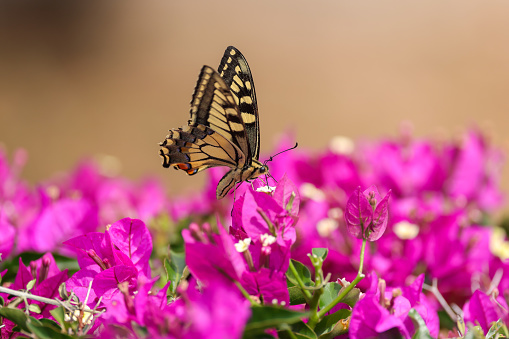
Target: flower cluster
x=283 y=259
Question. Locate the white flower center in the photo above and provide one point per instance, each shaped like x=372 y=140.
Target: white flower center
x=267 y=239
x=243 y=245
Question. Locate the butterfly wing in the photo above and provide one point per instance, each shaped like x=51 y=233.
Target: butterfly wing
x=235 y=71
x=196 y=148
x=213 y=105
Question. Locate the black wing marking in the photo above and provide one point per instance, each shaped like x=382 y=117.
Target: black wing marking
x=213 y=105
x=236 y=73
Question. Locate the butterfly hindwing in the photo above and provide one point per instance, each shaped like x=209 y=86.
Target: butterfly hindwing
x=235 y=71
x=195 y=148
x=213 y=105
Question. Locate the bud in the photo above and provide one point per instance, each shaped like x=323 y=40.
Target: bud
x=366 y=213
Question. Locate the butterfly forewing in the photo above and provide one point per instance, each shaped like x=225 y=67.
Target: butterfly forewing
x=213 y=105
x=235 y=71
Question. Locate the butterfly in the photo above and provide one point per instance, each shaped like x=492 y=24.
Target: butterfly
x=223 y=129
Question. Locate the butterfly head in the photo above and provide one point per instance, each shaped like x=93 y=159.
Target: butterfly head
x=259 y=169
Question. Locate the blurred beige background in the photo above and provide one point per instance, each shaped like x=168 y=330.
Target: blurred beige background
x=87 y=78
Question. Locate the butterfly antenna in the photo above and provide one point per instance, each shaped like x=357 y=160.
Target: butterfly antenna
x=270 y=175
x=286 y=150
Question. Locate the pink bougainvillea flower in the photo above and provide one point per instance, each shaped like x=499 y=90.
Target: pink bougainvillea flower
x=8 y=233
x=209 y=314
x=58 y=221
x=475 y=171
x=385 y=311
x=48 y=278
x=367 y=213
x=212 y=256
x=133 y=239
x=107 y=259
x=482 y=310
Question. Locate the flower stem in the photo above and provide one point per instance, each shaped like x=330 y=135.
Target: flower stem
x=245 y=294
x=307 y=294
x=346 y=290
x=26 y=295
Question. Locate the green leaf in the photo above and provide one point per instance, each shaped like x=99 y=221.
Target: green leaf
x=172 y=275
x=59 y=315
x=332 y=290
x=50 y=323
x=296 y=295
x=34 y=308
x=31 y=284
x=329 y=326
x=300 y=330
x=302 y=271
x=44 y=330
x=320 y=252
x=264 y=317
x=497 y=328
x=178 y=260
x=421 y=328
x=15 y=315
x=2 y=301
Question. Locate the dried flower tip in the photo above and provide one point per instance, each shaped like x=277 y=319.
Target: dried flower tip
x=343 y=282
x=406 y=230
x=243 y=245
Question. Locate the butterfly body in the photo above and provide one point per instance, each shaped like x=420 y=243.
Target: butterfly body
x=223 y=129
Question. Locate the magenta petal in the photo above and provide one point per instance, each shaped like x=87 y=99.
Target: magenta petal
x=106 y=283
x=413 y=292
x=91 y=241
x=480 y=309
x=272 y=286
x=7 y=239
x=132 y=237
x=121 y=258
x=283 y=192
x=358 y=214
x=61 y=220
x=252 y=221
x=23 y=277
x=369 y=320
x=48 y=288
x=208 y=262
x=219 y=312
x=380 y=218
x=79 y=283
